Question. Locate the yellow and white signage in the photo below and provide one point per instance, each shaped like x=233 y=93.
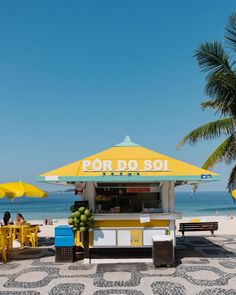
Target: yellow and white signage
x=124 y=165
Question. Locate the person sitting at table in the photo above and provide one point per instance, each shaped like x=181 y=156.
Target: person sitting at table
x=7 y=220
x=20 y=219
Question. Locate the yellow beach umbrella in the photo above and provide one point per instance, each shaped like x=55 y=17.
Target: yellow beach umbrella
x=233 y=193
x=20 y=189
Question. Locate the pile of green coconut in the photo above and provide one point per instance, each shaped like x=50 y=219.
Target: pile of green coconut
x=81 y=219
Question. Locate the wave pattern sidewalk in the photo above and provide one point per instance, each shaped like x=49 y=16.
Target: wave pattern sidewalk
x=205 y=266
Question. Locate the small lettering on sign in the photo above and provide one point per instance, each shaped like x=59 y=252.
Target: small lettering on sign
x=206 y=176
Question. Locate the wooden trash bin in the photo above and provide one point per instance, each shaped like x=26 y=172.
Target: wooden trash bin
x=162 y=251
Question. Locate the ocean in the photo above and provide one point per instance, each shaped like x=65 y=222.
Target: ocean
x=204 y=203
x=57 y=205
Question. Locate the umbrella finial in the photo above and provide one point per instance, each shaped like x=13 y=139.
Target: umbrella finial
x=127 y=142
x=127 y=139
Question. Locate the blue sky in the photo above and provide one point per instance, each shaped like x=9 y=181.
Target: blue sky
x=77 y=76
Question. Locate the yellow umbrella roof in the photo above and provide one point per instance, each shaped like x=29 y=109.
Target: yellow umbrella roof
x=19 y=189
x=4 y=192
x=130 y=162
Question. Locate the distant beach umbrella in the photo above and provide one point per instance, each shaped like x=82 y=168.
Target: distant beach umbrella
x=233 y=193
x=20 y=189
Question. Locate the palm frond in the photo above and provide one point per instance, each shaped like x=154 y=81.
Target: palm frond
x=209 y=131
x=211 y=104
x=232 y=180
x=221 y=82
x=221 y=87
x=211 y=56
x=226 y=151
x=230 y=31
x=221 y=106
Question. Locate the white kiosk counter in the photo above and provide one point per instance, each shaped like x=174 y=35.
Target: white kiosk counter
x=122 y=229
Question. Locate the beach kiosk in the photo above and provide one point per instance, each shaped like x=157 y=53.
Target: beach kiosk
x=131 y=191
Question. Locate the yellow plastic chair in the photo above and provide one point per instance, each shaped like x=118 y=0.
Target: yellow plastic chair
x=9 y=239
x=3 y=242
x=31 y=235
x=18 y=232
x=8 y=236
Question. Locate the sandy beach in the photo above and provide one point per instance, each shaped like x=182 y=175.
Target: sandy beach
x=227 y=225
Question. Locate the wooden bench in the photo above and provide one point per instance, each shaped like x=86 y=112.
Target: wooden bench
x=198 y=226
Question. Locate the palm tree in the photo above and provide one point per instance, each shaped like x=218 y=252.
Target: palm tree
x=215 y=59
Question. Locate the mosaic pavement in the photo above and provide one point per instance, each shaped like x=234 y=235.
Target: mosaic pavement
x=204 y=266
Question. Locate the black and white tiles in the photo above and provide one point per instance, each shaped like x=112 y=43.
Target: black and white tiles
x=205 y=267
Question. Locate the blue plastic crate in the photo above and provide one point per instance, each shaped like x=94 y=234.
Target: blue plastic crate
x=64 y=236
x=63 y=230
x=64 y=241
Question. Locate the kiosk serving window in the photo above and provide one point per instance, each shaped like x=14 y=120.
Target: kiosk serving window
x=128 y=198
